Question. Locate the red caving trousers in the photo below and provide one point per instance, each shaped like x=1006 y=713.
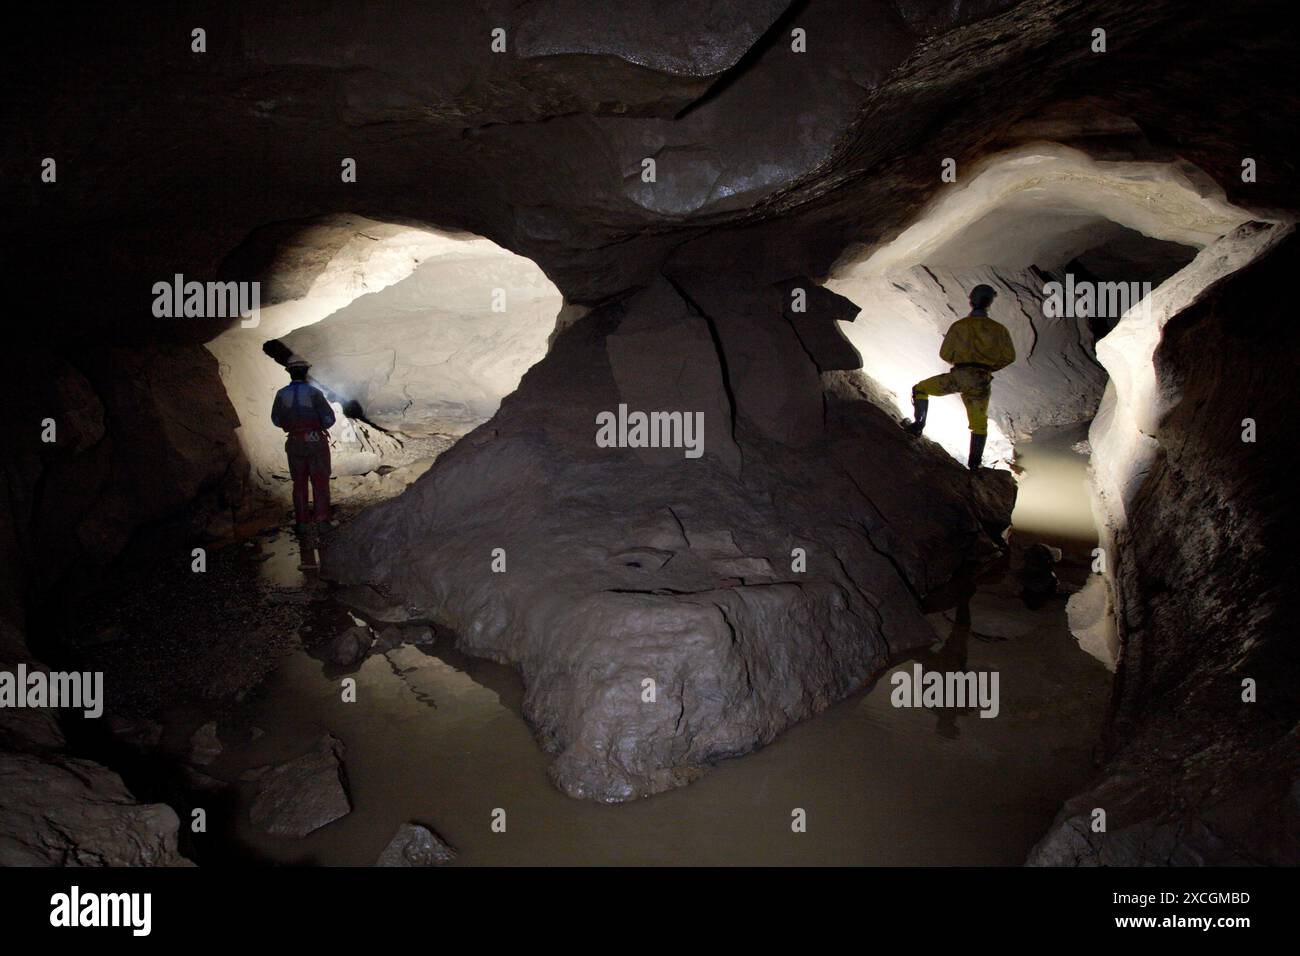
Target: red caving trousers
x=309 y=458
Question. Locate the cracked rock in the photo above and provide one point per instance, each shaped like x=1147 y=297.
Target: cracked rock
x=301 y=796
x=416 y=845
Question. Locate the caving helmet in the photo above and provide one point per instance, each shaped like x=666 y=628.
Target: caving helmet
x=982 y=296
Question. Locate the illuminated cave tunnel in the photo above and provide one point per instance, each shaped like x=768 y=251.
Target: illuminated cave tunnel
x=604 y=218
x=415 y=335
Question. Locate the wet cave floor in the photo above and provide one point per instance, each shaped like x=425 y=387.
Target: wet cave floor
x=437 y=738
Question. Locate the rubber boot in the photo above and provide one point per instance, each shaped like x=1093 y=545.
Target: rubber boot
x=920 y=407
x=976 y=451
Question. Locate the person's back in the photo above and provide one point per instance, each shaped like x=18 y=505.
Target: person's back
x=978 y=340
x=301 y=407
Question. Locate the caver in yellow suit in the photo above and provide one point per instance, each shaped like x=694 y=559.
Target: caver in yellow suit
x=976 y=347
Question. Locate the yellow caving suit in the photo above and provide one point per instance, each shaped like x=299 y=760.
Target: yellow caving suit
x=976 y=347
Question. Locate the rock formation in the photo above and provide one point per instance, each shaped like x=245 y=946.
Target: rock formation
x=659 y=607
x=675 y=194
x=415 y=845
x=1202 y=741
x=61 y=811
x=302 y=795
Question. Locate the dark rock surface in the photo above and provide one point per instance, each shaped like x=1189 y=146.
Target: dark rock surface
x=847 y=136
x=772 y=382
x=770 y=163
x=620 y=570
x=814 y=321
x=59 y=811
x=139 y=735
x=372 y=605
x=392 y=636
x=301 y=796
x=1207 y=596
x=416 y=845
x=688 y=376
x=143 y=436
x=1037 y=579
x=205 y=745
x=29 y=729
x=348 y=647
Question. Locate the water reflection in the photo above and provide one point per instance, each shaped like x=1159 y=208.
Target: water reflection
x=1053 y=499
x=437 y=737
x=951 y=656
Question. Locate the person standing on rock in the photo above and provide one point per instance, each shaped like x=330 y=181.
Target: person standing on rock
x=305 y=414
x=975 y=347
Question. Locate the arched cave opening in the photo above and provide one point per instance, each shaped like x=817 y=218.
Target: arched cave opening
x=413 y=334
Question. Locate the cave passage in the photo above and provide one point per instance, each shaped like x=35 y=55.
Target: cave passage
x=801 y=630
x=937 y=780
x=1059 y=238
x=400 y=329
x=414 y=334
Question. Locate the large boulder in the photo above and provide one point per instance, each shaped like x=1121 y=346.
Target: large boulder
x=772 y=380
x=814 y=311
x=662 y=358
x=349 y=647
x=304 y=794
x=61 y=811
x=667 y=614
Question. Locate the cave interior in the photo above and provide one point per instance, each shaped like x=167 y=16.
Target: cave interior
x=488 y=225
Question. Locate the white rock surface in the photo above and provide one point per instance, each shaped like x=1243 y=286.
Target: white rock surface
x=1092 y=621
x=1013 y=223
x=344 y=265
x=1054 y=380
x=1134 y=402
x=432 y=354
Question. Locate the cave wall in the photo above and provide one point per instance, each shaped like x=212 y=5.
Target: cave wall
x=144 y=438
x=771 y=175
x=437 y=351
x=1206 y=588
